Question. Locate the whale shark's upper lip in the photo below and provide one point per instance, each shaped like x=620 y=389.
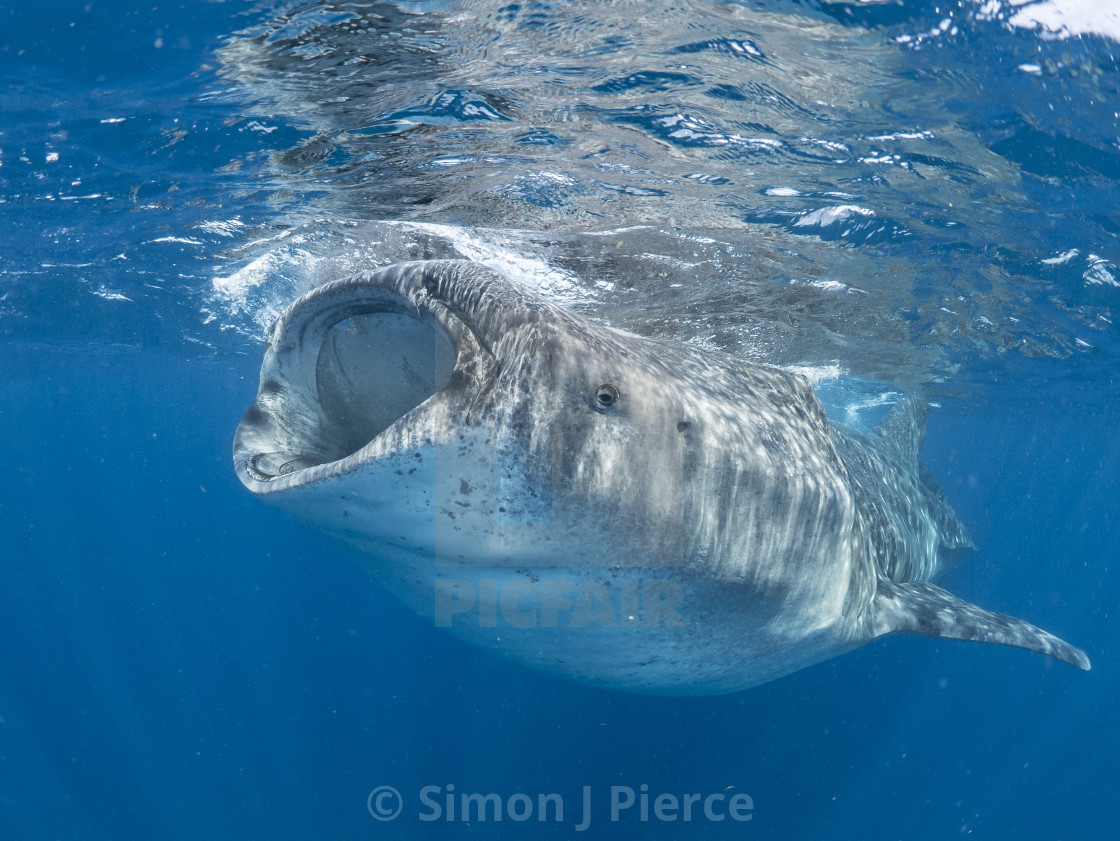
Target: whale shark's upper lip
x=345 y=363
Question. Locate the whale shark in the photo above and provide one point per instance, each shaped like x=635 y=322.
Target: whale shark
x=621 y=511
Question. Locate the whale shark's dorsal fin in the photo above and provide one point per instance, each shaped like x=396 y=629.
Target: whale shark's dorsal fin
x=926 y=609
x=903 y=431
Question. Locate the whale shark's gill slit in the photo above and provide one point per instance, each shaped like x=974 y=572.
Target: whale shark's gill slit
x=374 y=368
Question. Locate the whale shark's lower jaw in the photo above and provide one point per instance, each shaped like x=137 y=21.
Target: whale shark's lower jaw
x=344 y=363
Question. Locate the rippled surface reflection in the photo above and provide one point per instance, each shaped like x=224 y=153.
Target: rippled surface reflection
x=860 y=185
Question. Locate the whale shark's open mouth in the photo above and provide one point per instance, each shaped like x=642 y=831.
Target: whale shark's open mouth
x=344 y=364
x=373 y=369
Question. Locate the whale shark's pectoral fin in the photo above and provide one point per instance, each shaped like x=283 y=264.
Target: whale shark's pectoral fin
x=926 y=609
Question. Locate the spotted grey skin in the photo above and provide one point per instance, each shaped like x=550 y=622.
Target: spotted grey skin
x=601 y=506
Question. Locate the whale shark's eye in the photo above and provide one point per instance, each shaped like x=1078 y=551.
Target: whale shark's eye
x=606 y=395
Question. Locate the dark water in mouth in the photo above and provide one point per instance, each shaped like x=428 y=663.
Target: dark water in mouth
x=889 y=196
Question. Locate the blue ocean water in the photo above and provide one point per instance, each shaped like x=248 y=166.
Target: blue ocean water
x=887 y=195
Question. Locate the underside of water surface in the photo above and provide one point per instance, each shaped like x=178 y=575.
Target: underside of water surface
x=903 y=193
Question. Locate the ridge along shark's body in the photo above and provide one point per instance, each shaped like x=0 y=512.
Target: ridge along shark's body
x=609 y=508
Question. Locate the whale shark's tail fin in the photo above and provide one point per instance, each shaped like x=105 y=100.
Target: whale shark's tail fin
x=923 y=608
